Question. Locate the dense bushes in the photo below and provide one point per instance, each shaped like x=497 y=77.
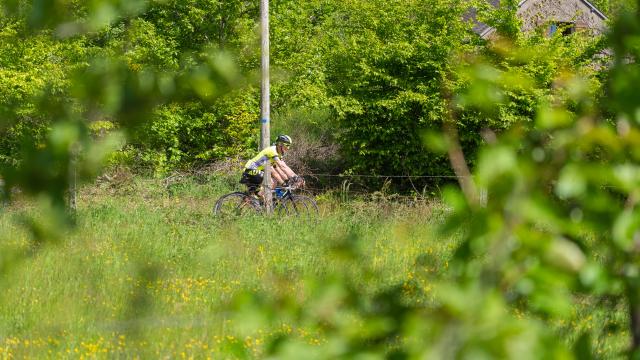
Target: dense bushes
x=362 y=81
x=185 y=133
x=32 y=69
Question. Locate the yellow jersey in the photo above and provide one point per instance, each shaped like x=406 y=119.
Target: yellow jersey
x=267 y=154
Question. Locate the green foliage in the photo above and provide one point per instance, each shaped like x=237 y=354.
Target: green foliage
x=386 y=67
x=64 y=72
x=386 y=72
x=383 y=69
x=32 y=69
x=184 y=132
x=562 y=175
x=125 y=54
x=503 y=19
x=561 y=216
x=191 y=132
x=561 y=219
x=614 y=7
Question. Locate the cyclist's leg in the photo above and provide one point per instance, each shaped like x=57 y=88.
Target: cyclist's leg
x=254 y=183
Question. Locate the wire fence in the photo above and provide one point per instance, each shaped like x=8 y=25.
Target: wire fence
x=385 y=176
x=413 y=190
x=394 y=187
x=379 y=185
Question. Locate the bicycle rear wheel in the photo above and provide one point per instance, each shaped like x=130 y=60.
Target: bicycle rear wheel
x=236 y=204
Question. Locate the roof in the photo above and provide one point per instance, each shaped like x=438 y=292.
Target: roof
x=479 y=27
x=587 y=3
x=483 y=29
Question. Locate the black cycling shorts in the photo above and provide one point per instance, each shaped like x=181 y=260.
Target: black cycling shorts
x=252 y=179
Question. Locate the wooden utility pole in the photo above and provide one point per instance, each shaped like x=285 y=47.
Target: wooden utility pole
x=265 y=112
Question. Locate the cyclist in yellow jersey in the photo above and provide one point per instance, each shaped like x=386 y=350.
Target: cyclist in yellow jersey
x=254 y=169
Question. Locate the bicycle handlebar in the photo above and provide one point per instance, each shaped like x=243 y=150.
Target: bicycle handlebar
x=287 y=186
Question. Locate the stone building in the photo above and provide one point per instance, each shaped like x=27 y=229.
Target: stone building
x=566 y=16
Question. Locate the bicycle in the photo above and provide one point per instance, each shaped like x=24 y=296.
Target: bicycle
x=284 y=203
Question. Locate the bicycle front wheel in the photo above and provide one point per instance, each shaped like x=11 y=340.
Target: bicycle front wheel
x=236 y=204
x=303 y=206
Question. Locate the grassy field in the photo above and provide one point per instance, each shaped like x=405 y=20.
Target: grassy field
x=148 y=272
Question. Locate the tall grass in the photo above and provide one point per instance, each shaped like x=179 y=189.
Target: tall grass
x=149 y=272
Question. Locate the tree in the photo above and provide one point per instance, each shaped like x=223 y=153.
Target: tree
x=67 y=73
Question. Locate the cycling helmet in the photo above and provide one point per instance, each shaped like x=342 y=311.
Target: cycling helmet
x=284 y=139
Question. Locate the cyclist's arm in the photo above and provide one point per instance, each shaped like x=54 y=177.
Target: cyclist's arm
x=285 y=169
x=282 y=174
x=276 y=176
